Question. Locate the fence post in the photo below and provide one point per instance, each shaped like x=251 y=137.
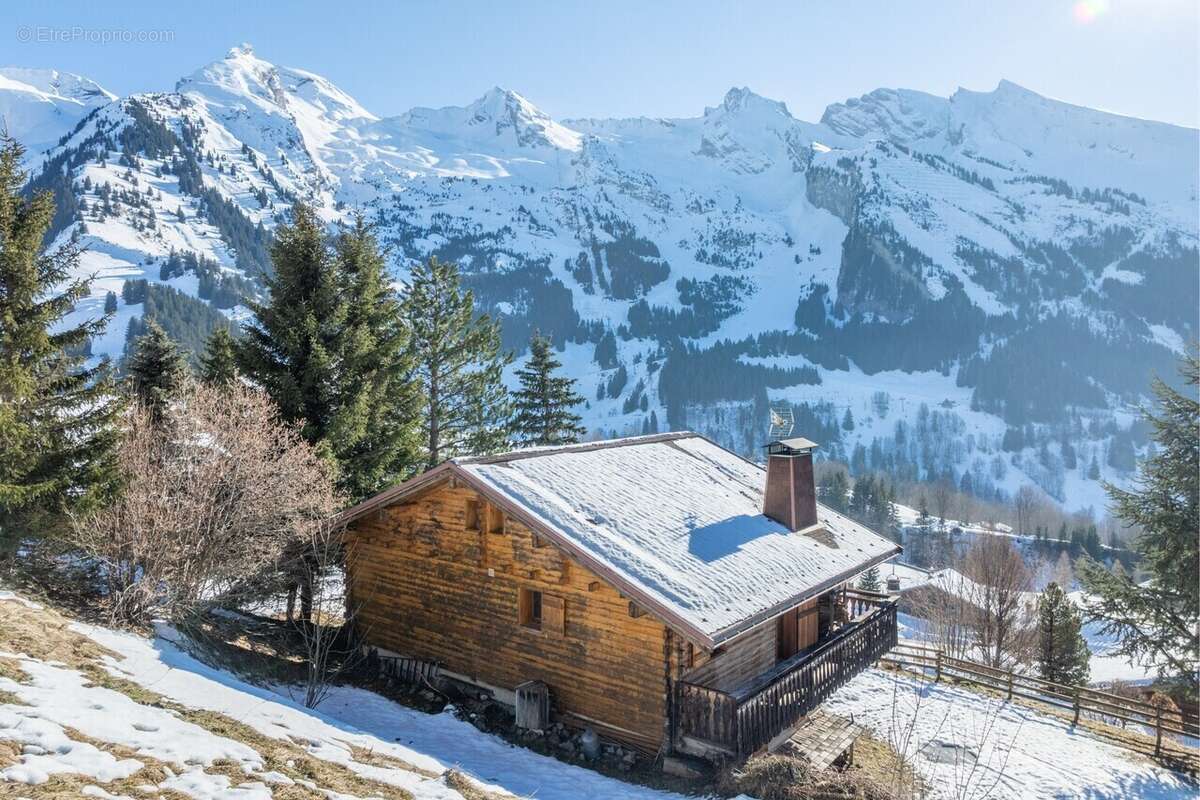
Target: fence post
x=1010 y=683
x=1076 y=706
x=938 y=675
x=1157 y=731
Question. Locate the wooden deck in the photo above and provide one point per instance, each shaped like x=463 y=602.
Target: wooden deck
x=745 y=723
x=822 y=738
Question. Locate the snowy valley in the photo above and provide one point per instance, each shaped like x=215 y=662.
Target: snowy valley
x=902 y=263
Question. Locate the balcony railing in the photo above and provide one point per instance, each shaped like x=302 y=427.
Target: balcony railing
x=745 y=722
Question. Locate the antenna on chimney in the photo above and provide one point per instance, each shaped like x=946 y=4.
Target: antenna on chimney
x=782 y=421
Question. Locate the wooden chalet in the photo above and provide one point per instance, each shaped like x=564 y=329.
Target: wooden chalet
x=665 y=591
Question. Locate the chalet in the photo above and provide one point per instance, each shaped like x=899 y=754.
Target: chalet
x=660 y=589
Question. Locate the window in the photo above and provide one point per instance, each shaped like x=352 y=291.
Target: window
x=690 y=657
x=473 y=515
x=495 y=520
x=529 y=607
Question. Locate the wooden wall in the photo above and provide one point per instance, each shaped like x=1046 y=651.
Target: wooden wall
x=750 y=655
x=427 y=586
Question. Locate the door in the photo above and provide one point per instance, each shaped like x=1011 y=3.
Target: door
x=788 y=633
x=797 y=630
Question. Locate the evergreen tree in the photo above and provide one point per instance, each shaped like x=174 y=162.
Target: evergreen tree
x=459 y=363
x=293 y=345
x=848 y=421
x=218 y=362
x=331 y=348
x=542 y=406
x=57 y=431
x=835 y=490
x=110 y=303
x=1156 y=623
x=156 y=369
x=1093 y=472
x=375 y=435
x=869 y=580
x=1062 y=652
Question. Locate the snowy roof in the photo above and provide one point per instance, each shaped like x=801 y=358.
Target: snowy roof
x=675 y=522
x=909 y=575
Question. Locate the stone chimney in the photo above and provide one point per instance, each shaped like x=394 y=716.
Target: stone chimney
x=790 y=497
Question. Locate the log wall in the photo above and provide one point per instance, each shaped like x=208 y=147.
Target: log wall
x=440 y=576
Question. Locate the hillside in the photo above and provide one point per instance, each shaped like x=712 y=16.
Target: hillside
x=88 y=711
x=906 y=259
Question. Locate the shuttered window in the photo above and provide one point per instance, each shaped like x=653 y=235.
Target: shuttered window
x=529 y=608
x=544 y=612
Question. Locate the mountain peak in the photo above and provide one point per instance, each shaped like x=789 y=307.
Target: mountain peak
x=739 y=100
x=55 y=83
x=243 y=78
x=239 y=50
x=501 y=110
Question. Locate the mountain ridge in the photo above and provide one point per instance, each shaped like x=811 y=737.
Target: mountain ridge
x=901 y=259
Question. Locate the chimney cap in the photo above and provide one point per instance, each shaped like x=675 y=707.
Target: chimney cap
x=787 y=447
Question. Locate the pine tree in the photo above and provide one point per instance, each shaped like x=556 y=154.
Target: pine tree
x=293 y=345
x=218 y=362
x=156 y=369
x=848 y=421
x=57 y=431
x=331 y=348
x=1156 y=623
x=110 y=303
x=459 y=363
x=869 y=580
x=375 y=435
x=1062 y=652
x=542 y=405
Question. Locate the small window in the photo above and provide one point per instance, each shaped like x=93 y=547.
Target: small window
x=495 y=520
x=690 y=657
x=529 y=607
x=537 y=541
x=473 y=515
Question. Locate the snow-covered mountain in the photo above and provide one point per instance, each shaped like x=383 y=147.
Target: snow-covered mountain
x=37 y=106
x=976 y=287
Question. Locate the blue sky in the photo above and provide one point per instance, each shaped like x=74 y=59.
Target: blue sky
x=654 y=58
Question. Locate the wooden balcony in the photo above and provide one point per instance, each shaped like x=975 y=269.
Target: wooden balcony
x=741 y=723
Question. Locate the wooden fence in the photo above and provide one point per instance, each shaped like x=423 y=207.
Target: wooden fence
x=1079 y=700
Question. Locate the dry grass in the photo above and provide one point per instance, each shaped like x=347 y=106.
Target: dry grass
x=469 y=789
x=364 y=756
x=45 y=634
x=778 y=777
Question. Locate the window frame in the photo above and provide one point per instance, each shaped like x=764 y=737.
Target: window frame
x=529 y=608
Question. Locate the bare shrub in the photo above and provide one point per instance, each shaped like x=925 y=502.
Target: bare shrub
x=949 y=618
x=321 y=565
x=214 y=496
x=998 y=591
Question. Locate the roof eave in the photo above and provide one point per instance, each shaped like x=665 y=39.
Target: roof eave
x=735 y=631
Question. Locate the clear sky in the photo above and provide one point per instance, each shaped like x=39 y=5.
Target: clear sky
x=654 y=57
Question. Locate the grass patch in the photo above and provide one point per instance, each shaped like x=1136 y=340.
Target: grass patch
x=470 y=790
x=44 y=634
x=370 y=757
x=10 y=669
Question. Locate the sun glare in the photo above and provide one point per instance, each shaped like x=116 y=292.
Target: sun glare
x=1087 y=11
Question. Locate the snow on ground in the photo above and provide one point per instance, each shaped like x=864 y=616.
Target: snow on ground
x=1014 y=748
x=967 y=745
x=354 y=717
